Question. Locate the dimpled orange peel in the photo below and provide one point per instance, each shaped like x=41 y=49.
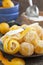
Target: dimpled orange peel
x=7 y=4
x=18 y=61
x=4 y=27
x=14 y=61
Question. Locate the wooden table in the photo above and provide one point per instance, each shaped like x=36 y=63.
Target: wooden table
x=23 y=20
x=24 y=4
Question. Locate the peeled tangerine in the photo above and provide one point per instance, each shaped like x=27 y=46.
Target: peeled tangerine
x=7 y=3
x=38 y=29
x=31 y=37
x=39 y=47
x=41 y=35
x=11 y=46
x=17 y=37
x=4 y=27
x=26 y=49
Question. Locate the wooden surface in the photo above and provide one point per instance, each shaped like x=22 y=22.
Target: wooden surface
x=24 y=4
x=23 y=20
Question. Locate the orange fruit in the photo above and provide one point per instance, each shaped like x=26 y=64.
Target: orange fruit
x=7 y=3
x=4 y=27
x=18 y=61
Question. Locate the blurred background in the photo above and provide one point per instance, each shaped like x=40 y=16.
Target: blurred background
x=24 y=4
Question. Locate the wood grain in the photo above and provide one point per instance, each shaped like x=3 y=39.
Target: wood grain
x=24 y=4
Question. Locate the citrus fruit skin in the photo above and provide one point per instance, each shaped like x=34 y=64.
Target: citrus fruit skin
x=14 y=27
x=14 y=61
x=7 y=4
x=4 y=27
x=11 y=46
x=18 y=61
